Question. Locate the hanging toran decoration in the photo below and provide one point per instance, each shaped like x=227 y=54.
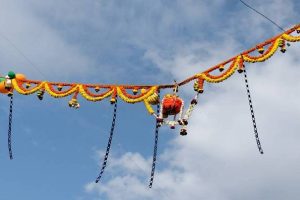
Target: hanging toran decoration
x=170 y=109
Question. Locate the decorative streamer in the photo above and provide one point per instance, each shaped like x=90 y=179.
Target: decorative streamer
x=155 y=146
x=109 y=142
x=10 y=126
x=252 y=112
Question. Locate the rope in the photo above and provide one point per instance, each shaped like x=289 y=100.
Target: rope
x=252 y=112
x=9 y=127
x=109 y=142
x=155 y=146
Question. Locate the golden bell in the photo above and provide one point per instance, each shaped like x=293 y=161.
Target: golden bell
x=97 y=89
x=283 y=49
x=59 y=88
x=135 y=91
x=261 y=50
x=27 y=85
x=281 y=43
x=40 y=94
x=112 y=100
x=196 y=86
x=200 y=90
x=221 y=68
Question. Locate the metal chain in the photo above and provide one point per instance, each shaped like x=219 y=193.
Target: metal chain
x=109 y=142
x=155 y=146
x=252 y=112
x=9 y=127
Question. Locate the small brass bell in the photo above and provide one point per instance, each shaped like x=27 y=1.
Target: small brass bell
x=97 y=89
x=27 y=85
x=281 y=43
x=112 y=101
x=221 y=68
x=40 y=94
x=73 y=103
x=135 y=91
x=59 y=88
x=261 y=50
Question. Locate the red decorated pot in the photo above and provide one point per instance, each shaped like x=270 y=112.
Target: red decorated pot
x=171 y=105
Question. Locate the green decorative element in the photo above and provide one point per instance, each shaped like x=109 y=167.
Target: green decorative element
x=11 y=75
x=2 y=79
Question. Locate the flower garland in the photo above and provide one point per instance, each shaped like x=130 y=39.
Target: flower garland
x=60 y=94
x=91 y=97
x=147 y=91
x=271 y=50
x=18 y=86
x=134 y=99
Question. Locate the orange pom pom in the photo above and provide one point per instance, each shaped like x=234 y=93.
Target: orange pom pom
x=20 y=77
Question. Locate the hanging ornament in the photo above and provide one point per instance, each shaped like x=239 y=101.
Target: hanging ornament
x=6 y=86
x=97 y=89
x=281 y=44
x=221 y=68
x=27 y=85
x=198 y=85
x=59 y=87
x=135 y=91
x=73 y=103
x=261 y=50
x=8 y=83
x=40 y=94
x=171 y=105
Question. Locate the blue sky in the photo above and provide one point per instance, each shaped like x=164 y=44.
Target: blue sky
x=58 y=150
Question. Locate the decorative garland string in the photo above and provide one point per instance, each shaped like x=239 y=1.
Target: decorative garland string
x=109 y=141
x=155 y=144
x=9 y=127
x=252 y=112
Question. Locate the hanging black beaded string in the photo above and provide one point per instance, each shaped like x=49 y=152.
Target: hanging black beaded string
x=155 y=145
x=252 y=111
x=109 y=142
x=9 y=127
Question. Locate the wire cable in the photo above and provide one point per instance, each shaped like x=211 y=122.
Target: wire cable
x=278 y=26
x=22 y=54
